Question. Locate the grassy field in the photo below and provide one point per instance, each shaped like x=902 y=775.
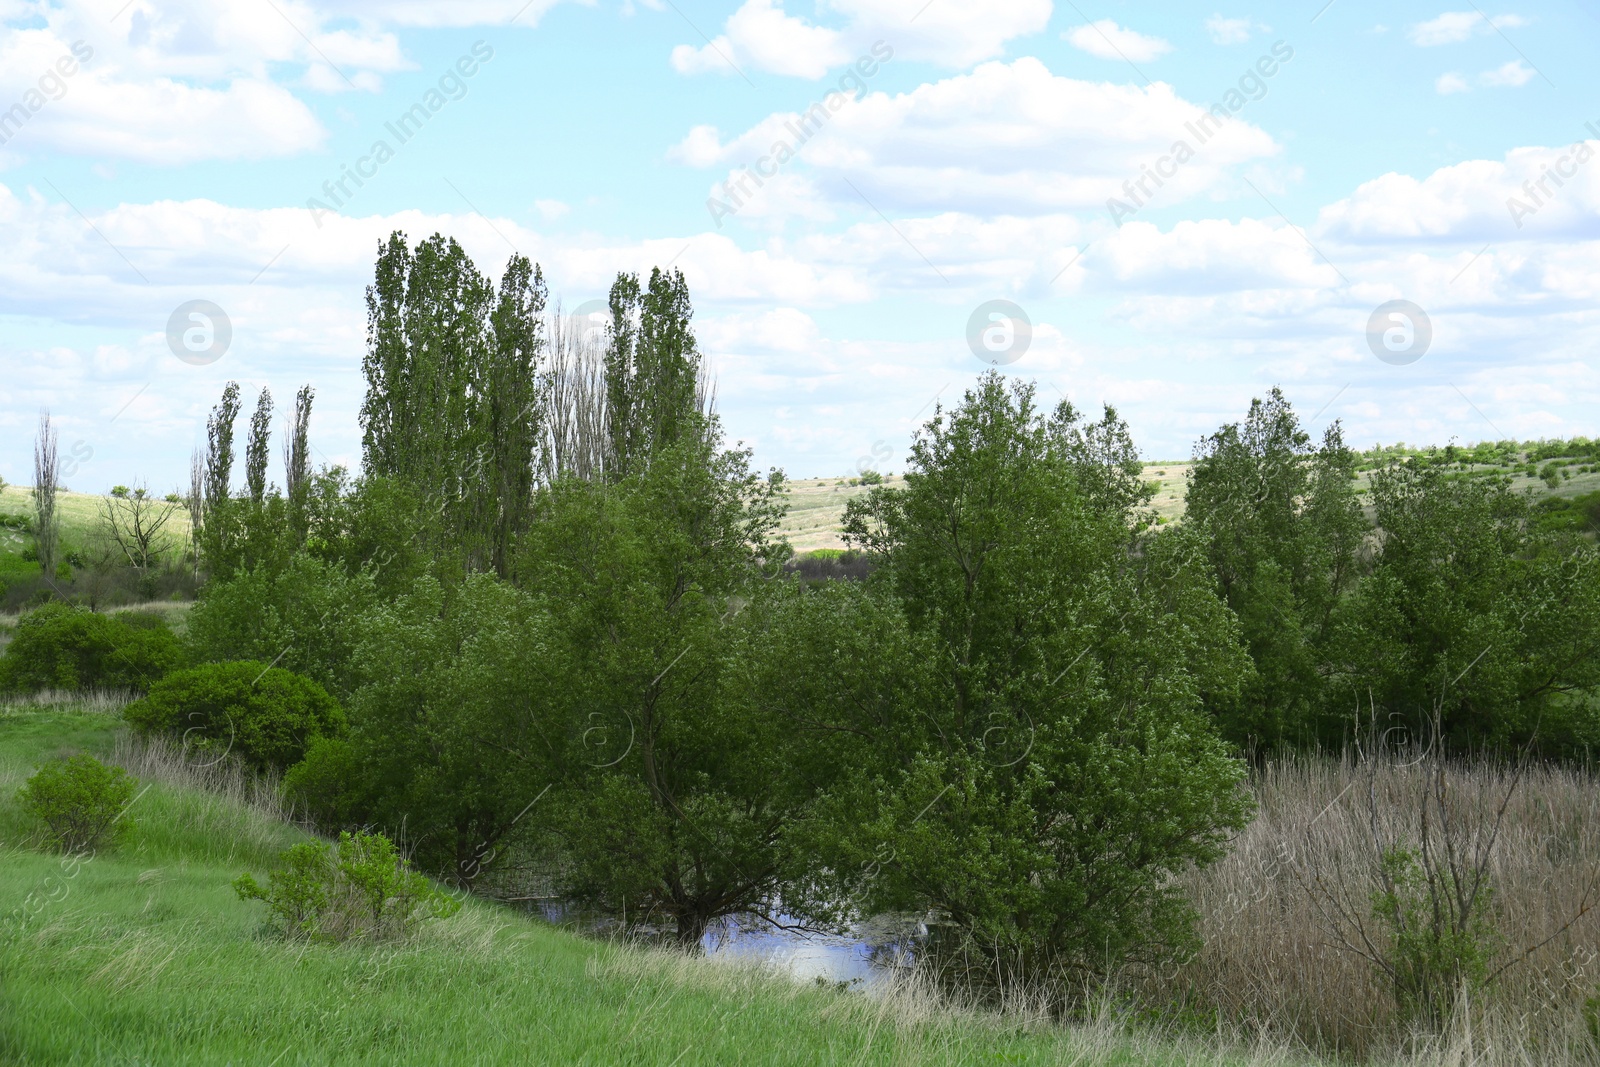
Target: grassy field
x=816 y=505
x=145 y=956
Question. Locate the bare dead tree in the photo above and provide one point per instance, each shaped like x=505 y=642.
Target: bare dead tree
x=46 y=480
x=135 y=523
x=574 y=393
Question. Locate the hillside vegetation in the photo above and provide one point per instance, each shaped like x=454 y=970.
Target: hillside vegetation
x=147 y=956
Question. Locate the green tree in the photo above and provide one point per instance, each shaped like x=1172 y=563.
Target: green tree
x=459 y=727
x=655 y=391
x=1055 y=769
x=219 y=524
x=672 y=805
x=1281 y=526
x=1471 y=607
x=452 y=409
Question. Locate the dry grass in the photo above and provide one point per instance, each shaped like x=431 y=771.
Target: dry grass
x=95 y=701
x=1285 y=915
x=161 y=759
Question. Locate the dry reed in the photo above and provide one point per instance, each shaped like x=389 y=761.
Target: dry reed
x=1285 y=915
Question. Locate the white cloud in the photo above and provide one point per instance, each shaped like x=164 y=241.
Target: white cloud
x=1451 y=83
x=551 y=210
x=1009 y=138
x=1453 y=27
x=1228 y=31
x=1470 y=201
x=1106 y=40
x=1513 y=75
x=761 y=36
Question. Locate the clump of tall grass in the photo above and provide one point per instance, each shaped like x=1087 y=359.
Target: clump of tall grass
x=95 y=701
x=163 y=759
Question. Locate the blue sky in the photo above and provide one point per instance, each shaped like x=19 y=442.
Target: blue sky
x=1370 y=154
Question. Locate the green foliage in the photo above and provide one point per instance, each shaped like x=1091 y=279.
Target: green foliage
x=62 y=647
x=1046 y=767
x=652 y=371
x=1439 y=943
x=361 y=890
x=265 y=715
x=452 y=391
x=327 y=784
x=305 y=616
x=1471 y=606
x=647 y=579
x=458 y=728
x=1281 y=528
x=81 y=802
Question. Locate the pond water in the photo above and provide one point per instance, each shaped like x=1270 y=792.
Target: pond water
x=867 y=959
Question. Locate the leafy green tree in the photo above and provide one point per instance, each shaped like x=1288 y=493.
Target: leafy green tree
x=81 y=801
x=1281 y=526
x=1474 y=610
x=305 y=617
x=58 y=646
x=1055 y=768
x=258 y=448
x=655 y=392
x=670 y=807
x=451 y=409
x=219 y=522
x=265 y=715
x=458 y=728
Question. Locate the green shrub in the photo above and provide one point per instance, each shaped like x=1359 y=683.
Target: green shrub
x=308 y=614
x=62 y=647
x=363 y=890
x=80 y=801
x=266 y=715
x=325 y=785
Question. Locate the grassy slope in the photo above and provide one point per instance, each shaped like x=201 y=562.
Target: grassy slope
x=80 y=516
x=145 y=956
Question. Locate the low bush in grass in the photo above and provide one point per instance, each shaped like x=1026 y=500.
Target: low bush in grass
x=266 y=716
x=363 y=889
x=62 y=647
x=81 y=802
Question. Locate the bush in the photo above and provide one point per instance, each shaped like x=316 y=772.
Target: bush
x=80 y=800
x=310 y=608
x=266 y=715
x=363 y=889
x=62 y=647
x=324 y=785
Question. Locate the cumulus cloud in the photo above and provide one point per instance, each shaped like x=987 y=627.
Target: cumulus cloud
x=761 y=36
x=1008 y=138
x=1184 y=322
x=1451 y=83
x=1453 y=27
x=1106 y=40
x=1513 y=75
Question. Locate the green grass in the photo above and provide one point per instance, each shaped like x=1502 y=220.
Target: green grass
x=146 y=956
x=80 y=516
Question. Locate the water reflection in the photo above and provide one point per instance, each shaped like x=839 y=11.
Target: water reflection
x=869 y=958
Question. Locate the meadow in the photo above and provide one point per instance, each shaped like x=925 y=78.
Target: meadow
x=146 y=956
